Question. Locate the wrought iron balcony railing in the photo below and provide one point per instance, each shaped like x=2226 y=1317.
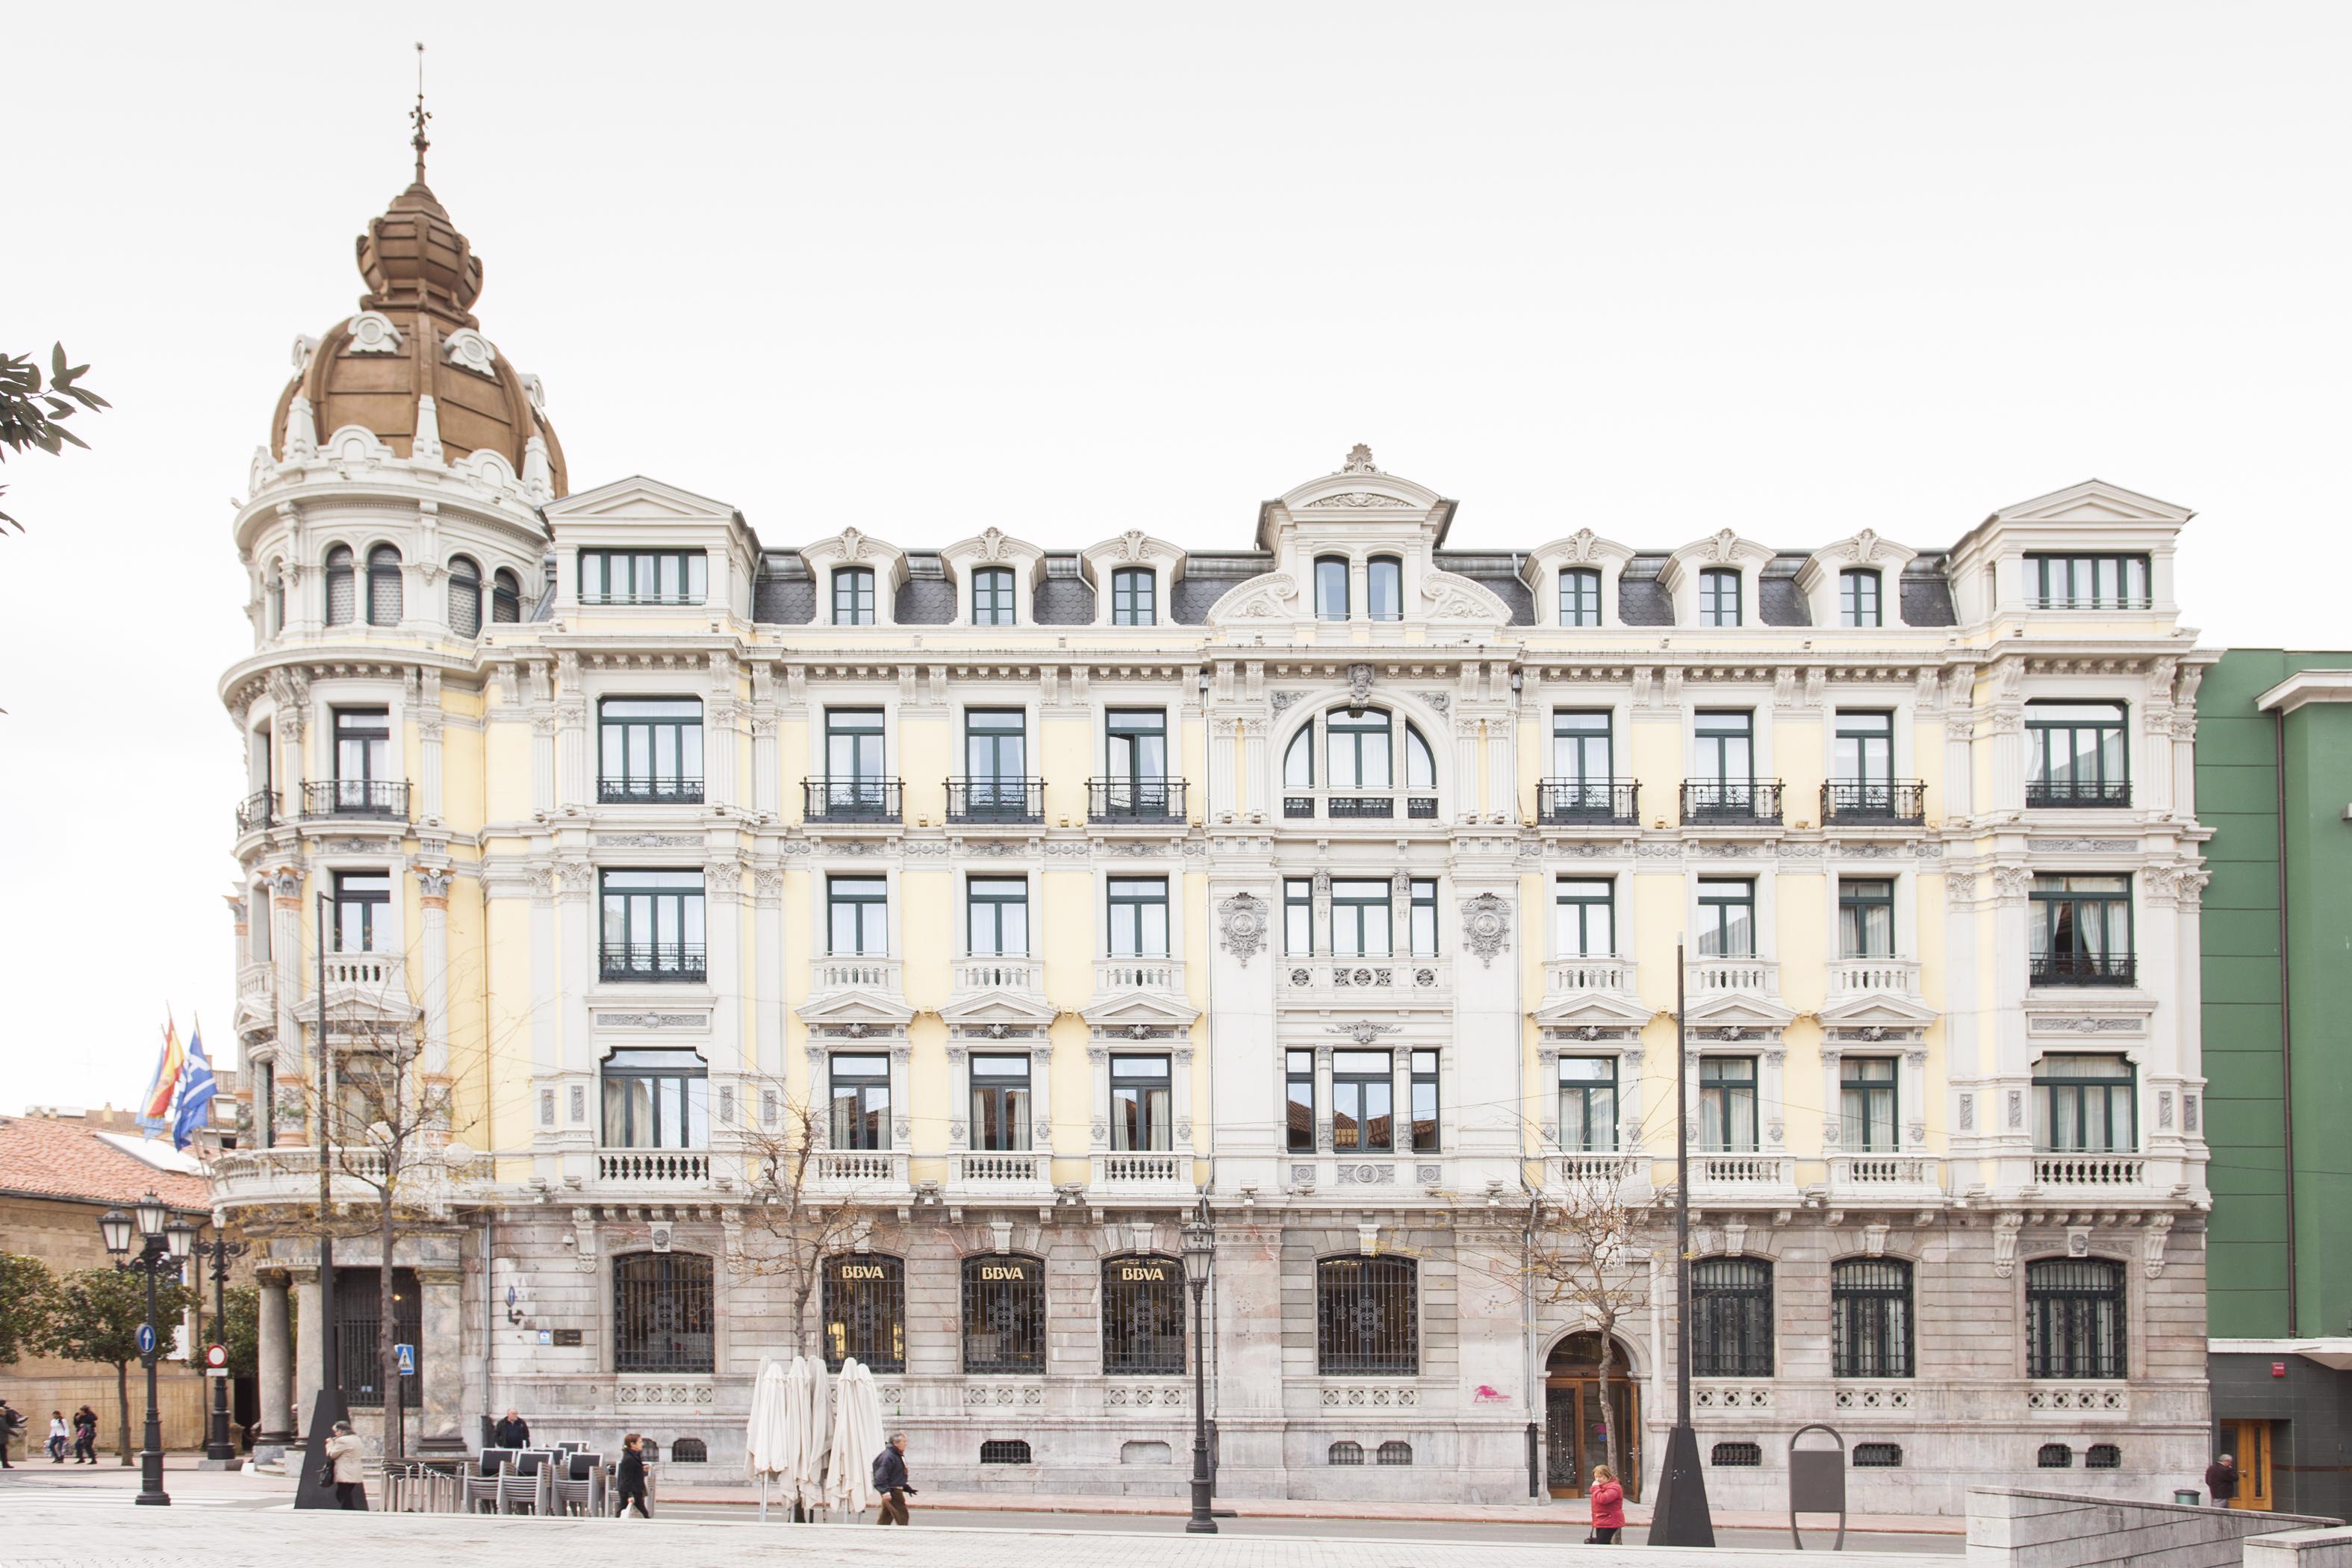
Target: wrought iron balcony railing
x=2096 y=794
x=649 y=792
x=1706 y=800
x=1902 y=802
x=997 y=800
x=1135 y=800
x=2085 y=969
x=356 y=797
x=257 y=811
x=681 y=960
x=1602 y=802
x=851 y=800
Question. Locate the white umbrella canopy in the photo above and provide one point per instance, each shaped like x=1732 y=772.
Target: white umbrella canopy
x=856 y=1438
x=793 y=1427
x=808 y=1474
x=763 y=1430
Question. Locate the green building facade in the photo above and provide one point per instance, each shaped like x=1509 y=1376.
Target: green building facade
x=2274 y=785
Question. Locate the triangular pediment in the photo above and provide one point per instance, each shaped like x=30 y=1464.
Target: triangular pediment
x=2094 y=501
x=1736 y=1010
x=998 y=1007
x=637 y=497
x=1147 y=1007
x=853 y=1006
x=1881 y=1009
x=1609 y=1009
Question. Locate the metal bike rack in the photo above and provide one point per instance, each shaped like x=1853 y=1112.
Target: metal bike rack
x=1816 y=1483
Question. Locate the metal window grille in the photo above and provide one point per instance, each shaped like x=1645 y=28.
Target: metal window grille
x=1142 y=1315
x=2055 y=1456
x=1003 y=1315
x=1394 y=1453
x=359 y=1338
x=661 y=1312
x=1731 y=1318
x=2103 y=1457
x=465 y=598
x=866 y=1311
x=2074 y=1318
x=384 y=586
x=689 y=1451
x=1367 y=1316
x=1346 y=1454
x=1742 y=1455
x=1877 y=1456
x=1870 y=1317
x=342 y=590
x=1006 y=1451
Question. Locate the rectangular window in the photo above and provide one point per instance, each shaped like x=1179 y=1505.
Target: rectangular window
x=643 y=576
x=1731 y=1318
x=1143 y=1316
x=1359 y=749
x=653 y=925
x=996 y=746
x=865 y=1304
x=2078 y=931
x=1870 y=1319
x=1866 y=1104
x=1580 y=597
x=996 y=923
x=1360 y=919
x=1363 y=1089
x=649 y=749
x=1865 y=748
x=2088 y=582
x=853 y=596
x=1719 y=598
x=364 y=777
x=859 y=911
x=1586 y=917
x=1367 y=1316
x=1298 y=1100
x=1727 y=1105
x=1297 y=916
x=1139 y=917
x=853 y=744
x=991 y=597
x=1424 y=1102
x=1134 y=596
x=1004 y=1323
x=656 y=1100
x=1588 y=1105
x=1332 y=588
x=265 y=1103
x=1135 y=759
x=362 y=911
x=1140 y=1114
x=1866 y=918
x=1384 y=589
x=1726 y=918
x=1424 y=917
x=861 y=1101
x=2077 y=754
x=2083 y=1105
x=1858 y=598
x=1726 y=751
x=1000 y=1103
x=1581 y=748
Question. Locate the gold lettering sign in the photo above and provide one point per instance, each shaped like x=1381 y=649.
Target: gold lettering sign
x=1146 y=1272
x=1002 y=1271
x=861 y=1271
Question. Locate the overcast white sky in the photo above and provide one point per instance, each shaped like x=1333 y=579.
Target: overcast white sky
x=1651 y=267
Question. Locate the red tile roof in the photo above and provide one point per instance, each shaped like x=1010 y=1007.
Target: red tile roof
x=51 y=1159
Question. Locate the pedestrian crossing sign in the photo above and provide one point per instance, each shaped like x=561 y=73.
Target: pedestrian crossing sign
x=406 y=1355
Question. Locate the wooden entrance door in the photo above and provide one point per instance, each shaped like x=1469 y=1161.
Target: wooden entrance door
x=2252 y=1446
x=1575 y=1438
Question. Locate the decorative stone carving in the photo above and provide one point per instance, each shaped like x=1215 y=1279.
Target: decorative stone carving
x=374 y=334
x=1360 y=684
x=1243 y=920
x=1282 y=700
x=2004 y=1243
x=2151 y=1245
x=1486 y=927
x=433 y=886
x=1362 y=1034
x=1359 y=461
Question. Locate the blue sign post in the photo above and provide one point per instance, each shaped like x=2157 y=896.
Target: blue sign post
x=406 y=1355
x=146 y=1339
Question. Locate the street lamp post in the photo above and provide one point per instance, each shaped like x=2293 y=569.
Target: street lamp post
x=219 y=1448
x=161 y=1246
x=1200 y=1253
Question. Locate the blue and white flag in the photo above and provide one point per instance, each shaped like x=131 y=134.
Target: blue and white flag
x=197 y=1086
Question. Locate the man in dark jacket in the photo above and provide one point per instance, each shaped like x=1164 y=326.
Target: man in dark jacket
x=891 y=1480
x=513 y=1432
x=10 y=1421
x=2222 y=1480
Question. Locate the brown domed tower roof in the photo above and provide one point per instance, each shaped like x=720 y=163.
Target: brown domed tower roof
x=416 y=336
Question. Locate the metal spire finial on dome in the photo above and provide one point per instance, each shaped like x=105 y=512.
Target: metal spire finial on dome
x=418 y=116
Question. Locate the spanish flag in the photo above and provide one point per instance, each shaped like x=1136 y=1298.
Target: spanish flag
x=155 y=1109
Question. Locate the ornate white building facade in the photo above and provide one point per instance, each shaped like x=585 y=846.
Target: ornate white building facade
x=1337 y=879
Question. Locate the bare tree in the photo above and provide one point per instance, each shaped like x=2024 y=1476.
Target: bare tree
x=1589 y=1245
x=793 y=1217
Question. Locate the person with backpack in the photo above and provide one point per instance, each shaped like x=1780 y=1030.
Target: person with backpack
x=85 y=1425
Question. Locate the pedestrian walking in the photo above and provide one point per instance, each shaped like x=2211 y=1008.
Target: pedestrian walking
x=1607 y=1507
x=513 y=1432
x=633 y=1478
x=891 y=1480
x=10 y=1425
x=349 y=1455
x=2222 y=1480
x=57 y=1437
x=85 y=1424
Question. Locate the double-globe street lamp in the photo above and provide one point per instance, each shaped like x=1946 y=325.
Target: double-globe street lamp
x=219 y=1447
x=161 y=1247
x=1200 y=1253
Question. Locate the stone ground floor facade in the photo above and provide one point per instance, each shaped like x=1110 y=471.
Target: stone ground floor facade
x=1352 y=1352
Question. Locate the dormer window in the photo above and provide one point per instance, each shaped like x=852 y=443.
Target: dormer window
x=465 y=598
x=2088 y=582
x=1858 y=601
x=853 y=596
x=643 y=576
x=1134 y=597
x=991 y=597
x=506 y=597
x=342 y=590
x=1384 y=589
x=1332 y=588
x=1580 y=597
x=1719 y=598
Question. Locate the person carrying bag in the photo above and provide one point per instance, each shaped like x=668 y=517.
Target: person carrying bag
x=1608 y=1508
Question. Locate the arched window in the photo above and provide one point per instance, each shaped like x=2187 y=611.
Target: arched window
x=991 y=597
x=1858 y=603
x=465 y=598
x=2075 y=1318
x=1580 y=597
x=2055 y=1456
x=1719 y=598
x=1737 y=1455
x=384 y=586
x=273 y=590
x=866 y=1311
x=1420 y=762
x=1003 y=1314
x=506 y=597
x=1395 y=1453
x=1345 y=1453
x=2103 y=1457
x=1332 y=588
x=1385 y=588
x=1731 y=1318
x=342 y=603
x=662 y=1312
x=1870 y=1317
x=689 y=1451
x=1367 y=1316
x=1358 y=747
x=1134 y=597
x=1006 y=1451
x=1142 y=1316
x=1299 y=761
x=853 y=596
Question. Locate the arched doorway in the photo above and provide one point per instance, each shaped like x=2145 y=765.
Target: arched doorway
x=1575 y=1436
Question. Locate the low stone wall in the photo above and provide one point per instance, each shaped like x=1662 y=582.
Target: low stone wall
x=2301 y=1549
x=2059 y=1529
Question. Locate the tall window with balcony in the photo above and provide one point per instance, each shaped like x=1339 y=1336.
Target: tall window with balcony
x=465 y=598
x=1297 y=916
x=364 y=784
x=1862 y=786
x=1135 y=782
x=1727 y=1105
x=1142 y=1316
x=1134 y=596
x=1385 y=588
x=2076 y=754
x=1580 y=597
x=1866 y=1104
x=1726 y=918
x=857 y=912
x=1584 y=917
x=1424 y=1109
x=864 y=1306
x=856 y=781
x=1422 y=910
x=1360 y=919
x=1588 y=1105
x=662 y=1312
x=1000 y=1103
x=656 y=1100
x=1363 y=1093
x=2087 y=582
x=860 y=1090
x=991 y=597
x=2079 y=932
x=1583 y=786
x=649 y=750
x=342 y=590
x=853 y=596
x=1332 y=588
x=1003 y=1314
x=384 y=586
x=643 y=576
x=1141 y=1118
x=2085 y=1105
x=1139 y=917
x=362 y=911
x=1719 y=598
x=1361 y=752
x=1367 y=1316
x=506 y=597
x=996 y=917
x=996 y=786
x=2075 y=1318
x=1298 y=1100
x=1731 y=1318
x=1724 y=788
x=1865 y=917
x=1858 y=601
x=1870 y=1317
x=653 y=926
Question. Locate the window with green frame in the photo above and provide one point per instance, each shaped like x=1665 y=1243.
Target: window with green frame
x=1858 y=602
x=1588 y=1105
x=1719 y=598
x=2077 y=753
x=1297 y=916
x=1865 y=917
x=1584 y=924
x=991 y=597
x=2088 y=582
x=1727 y=1105
x=1579 y=596
x=2079 y=930
x=853 y=596
x=1726 y=918
x=1866 y=1105
x=2085 y=1105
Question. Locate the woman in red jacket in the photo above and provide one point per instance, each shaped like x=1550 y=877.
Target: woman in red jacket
x=1607 y=1505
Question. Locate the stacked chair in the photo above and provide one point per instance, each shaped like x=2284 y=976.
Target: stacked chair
x=580 y=1482
x=526 y=1484
x=482 y=1480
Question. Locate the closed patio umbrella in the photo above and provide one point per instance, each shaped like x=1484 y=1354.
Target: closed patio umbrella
x=856 y=1438
x=817 y=1437
x=763 y=1431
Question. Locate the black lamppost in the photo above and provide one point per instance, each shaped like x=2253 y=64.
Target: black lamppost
x=1200 y=1253
x=161 y=1247
x=220 y=1249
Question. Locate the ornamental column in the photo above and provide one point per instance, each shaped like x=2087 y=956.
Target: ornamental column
x=441 y=1366
x=1221 y=766
x=428 y=744
x=286 y=950
x=276 y=1358
x=768 y=966
x=575 y=779
x=723 y=884
x=718 y=734
x=433 y=899
x=307 y=1369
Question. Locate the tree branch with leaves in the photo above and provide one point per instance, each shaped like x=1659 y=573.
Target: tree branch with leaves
x=96 y=1316
x=33 y=417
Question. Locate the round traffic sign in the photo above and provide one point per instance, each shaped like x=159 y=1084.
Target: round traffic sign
x=146 y=1339
x=215 y=1355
